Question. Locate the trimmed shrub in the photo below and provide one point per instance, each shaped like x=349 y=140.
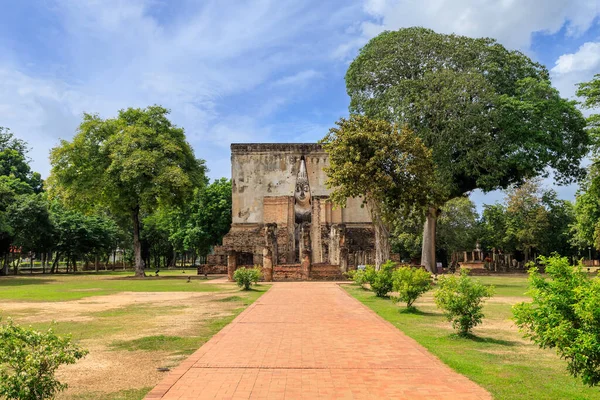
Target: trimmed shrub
x=410 y=283
x=29 y=359
x=565 y=315
x=381 y=280
x=461 y=298
x=364 y=276
x=246 y=277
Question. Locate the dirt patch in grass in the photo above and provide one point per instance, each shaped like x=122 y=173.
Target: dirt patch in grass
x=130 y=335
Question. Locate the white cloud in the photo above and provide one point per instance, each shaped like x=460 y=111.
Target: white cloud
x=586 y=58
x=510 y=21
x=301 y=78
x=212 y=64
x=573 y=68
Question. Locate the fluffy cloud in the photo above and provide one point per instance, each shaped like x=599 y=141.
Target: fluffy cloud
x=573 y=68
x=223 y=67
x=510 y=21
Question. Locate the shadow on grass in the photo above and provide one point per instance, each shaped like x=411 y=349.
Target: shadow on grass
x=482 y=339
x=416 y=311
x=20 y=281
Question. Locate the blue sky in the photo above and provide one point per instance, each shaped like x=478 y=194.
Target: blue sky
x=243 y=71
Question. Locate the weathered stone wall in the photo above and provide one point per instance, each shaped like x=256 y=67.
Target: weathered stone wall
x=270 y=170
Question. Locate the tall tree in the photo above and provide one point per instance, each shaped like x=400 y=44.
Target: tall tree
x=590 y=91
x=211 y=215
x=14 y=162
x=489 y=115
x=388 y=168
x=458 y=226
x=29 y=217
x=527 y=219
x=130 y=163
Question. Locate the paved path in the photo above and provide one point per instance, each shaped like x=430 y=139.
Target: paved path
x=310 y=340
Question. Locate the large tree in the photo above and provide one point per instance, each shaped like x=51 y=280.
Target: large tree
x=389 y=168
x=130 y=163
x=458 y=227
x=489 y=115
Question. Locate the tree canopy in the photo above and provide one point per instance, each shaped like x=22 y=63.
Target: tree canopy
x=130 y=163
x=489 y=115
x=388 y=167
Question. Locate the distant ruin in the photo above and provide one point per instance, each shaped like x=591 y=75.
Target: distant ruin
x=283 y=221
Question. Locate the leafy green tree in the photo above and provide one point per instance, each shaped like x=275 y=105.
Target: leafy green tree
x=29 y=360
x=489 y=115
x=561 y=217
x=586 y=229
x=14 y=162
x=129 y=164
x=458 y=226
x=527 y=219
x=493 y=228
x=29 y=218
x=590 y=91
x=211 y=215
x=564 y=315
x=388 y=168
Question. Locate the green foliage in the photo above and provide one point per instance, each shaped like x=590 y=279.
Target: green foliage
x=381 y=280
x=29 y=217
x=130 y=164
x=14 y=162
x=246 y=277
x=388 y=167
x=29 y=359
x=461 y=298
x=211 y=216
x=564 y=315
x=489 y=115
x=457 y=226
x=590 y=91
x=532 y=219
x=586 y=227
x=410 y=283
x=363 y=277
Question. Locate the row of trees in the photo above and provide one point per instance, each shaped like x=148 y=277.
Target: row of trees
x=130 y=182
x=474 y=116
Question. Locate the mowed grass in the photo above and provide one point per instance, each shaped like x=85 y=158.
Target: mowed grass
x=79 y=286
x=496 y=356
x=132 y=336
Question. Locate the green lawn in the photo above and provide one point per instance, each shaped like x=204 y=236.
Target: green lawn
x=77 y=286
x=128 y=335
x=497 y=357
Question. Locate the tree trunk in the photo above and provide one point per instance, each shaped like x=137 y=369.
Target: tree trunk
x=54 y=267
x=382 y=235
x=137 y=244
x=5 y=265
x=429 y=231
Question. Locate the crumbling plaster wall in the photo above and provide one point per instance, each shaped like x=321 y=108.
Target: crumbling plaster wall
x=270 y=169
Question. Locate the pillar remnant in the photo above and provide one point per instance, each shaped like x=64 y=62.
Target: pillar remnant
x=305 y=264
x=267 y=265
x=231 y=264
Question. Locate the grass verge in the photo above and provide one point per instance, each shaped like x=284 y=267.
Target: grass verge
x=495 y=356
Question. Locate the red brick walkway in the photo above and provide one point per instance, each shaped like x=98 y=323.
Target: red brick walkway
x=312 y=341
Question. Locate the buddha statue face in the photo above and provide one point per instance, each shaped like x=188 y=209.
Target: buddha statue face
x=302 y=195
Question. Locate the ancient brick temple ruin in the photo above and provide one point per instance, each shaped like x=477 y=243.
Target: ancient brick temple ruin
x=283 y=221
